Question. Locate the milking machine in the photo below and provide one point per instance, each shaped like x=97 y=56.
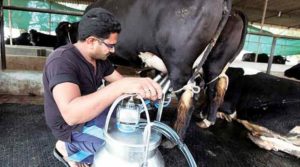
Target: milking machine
x=132 y=141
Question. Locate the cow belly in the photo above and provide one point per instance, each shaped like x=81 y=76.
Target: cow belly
x=270 y=101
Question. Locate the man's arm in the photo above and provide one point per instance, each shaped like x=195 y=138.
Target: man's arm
x=115 y=76
x=77 y=109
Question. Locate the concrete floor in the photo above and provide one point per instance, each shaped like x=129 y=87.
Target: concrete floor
x=30 y=142
x=21 y=99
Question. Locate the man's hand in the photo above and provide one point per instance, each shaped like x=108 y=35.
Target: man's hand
x=146 y=87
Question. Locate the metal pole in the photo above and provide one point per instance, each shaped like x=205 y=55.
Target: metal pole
x=9 y=24
x=261 y=26
x=271 y=55
x=49 y=22
x=273 y=35
x=2 y=44
x=264 y=15
x=43 y=10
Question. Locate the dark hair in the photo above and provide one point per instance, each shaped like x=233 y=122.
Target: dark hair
x=98 y=22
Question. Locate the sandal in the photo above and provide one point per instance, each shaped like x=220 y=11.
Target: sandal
x=60 y=157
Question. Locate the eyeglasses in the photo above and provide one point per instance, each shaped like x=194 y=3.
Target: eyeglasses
x=109 y=46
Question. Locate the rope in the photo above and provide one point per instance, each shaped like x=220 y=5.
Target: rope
x=189 y=86
x=213 y=80
x=221 y=75
x=69 y=34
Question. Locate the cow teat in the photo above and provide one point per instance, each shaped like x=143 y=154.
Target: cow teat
x=153 y=61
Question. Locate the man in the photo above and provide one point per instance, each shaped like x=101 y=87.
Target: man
x=75 y=107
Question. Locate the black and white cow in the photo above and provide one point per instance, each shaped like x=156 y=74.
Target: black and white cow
x=23 y=39
x=177 y=32
x=250 y=57
x=278 y=59
x=41 y=39
x=66 y=32
x=293 y=72
x=264 y=58
x=268 y=106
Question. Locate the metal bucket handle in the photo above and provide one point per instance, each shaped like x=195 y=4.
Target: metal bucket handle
x=147 y=130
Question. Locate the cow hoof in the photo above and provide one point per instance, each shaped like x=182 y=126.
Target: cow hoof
x=200 y=115
x=204 y=124
x=226 y=117
x=167 y=144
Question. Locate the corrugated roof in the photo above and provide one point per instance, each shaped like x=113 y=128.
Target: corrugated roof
x=86 y=2
x=284 y=13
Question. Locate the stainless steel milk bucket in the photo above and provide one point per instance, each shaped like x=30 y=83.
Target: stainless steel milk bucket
x=128 y=149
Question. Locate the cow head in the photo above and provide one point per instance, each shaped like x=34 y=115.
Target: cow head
x=278 y=59
x=66 y=32
x=293 y=72
x=34 y=38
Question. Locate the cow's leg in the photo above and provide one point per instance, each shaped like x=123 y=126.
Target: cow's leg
x=200 y=103
x=270 y=140
x=184 y=113
x=210 y=105
x=229 y=43
x=215 y=95
x=227 y=117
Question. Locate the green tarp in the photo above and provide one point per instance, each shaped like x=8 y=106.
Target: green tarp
x=36 y=20
x=263 y=44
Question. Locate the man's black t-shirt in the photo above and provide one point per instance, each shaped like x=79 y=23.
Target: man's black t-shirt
x=66 y=64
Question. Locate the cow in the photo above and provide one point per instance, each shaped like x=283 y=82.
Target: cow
x=293 y=72
x=41 y=39
x=175 y=33
x=268 y=106
x=250 y=57
x=278 y=59
x=23 y=39
x=264 y=58
x=66 y=32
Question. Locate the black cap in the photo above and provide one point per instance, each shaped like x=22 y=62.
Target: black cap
x=98 y=22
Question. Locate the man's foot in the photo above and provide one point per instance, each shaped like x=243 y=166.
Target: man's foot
x=204 y=124
x=60 y=157
x=60 y=153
